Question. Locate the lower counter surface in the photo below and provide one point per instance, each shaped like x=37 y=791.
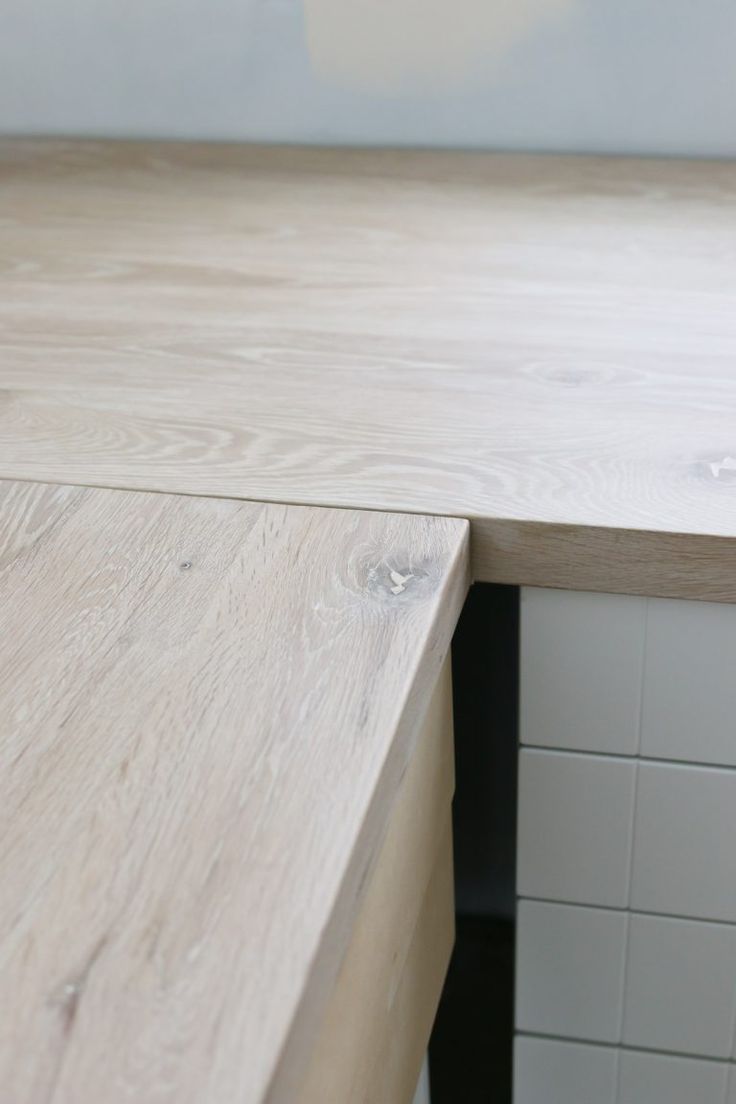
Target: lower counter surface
x=210 y=711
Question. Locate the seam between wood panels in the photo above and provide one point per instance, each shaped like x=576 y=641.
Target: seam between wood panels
x=474 y=521
x=267 y=501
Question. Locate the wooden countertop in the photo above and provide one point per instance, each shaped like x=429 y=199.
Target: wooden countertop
x=208 y=703
x=544 y=345
x=207 y=707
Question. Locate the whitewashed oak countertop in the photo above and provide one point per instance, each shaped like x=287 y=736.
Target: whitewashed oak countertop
x=207 y=708
x=543 y=345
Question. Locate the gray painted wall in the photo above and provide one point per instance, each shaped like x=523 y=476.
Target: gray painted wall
x=611 y=75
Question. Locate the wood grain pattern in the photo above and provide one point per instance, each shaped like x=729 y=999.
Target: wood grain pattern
x=355 y=1047
x=529 y=342
x=206 y=711
x=409 y=1021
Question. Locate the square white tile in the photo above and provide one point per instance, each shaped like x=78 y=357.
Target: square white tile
x=569 y=976
x=662 y=1079
x=581 y=669
x=685 y=841
x=680 y=986
x=576 y=817
x=550 y=1072
x=689 y=701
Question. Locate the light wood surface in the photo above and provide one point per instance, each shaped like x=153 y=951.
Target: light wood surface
x=207 y=708
x=545 y=345
x=356 y=1058
x=409 y=1022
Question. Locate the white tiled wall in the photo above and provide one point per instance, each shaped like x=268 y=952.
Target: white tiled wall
x=664 y=1079
x=614 y=673
x=689 y=707
x=627 y=851
x=581 y=662
x=680 y=986
x=551 y=1071
x=576 y=816
x=570 y=971
x=547 y=1071
x=578 y=832
x=685 y=841
x=611 y=977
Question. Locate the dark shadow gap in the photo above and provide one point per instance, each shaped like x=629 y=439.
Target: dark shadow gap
x=471 y=1045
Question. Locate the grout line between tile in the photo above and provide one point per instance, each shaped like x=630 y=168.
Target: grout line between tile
x=632 y=911
x=642 y=678
x=624 y=978
x=617 y=1079
x=733 y=1024
x=632 y=836
x=683 y=764
x=629 y=1047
